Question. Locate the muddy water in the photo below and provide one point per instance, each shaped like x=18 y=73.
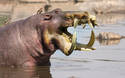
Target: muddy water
x=107 y=61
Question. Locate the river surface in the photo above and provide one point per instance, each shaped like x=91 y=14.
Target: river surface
x=107 y=61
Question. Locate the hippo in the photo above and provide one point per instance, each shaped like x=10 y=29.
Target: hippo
x=31 y=42
x=109 y=36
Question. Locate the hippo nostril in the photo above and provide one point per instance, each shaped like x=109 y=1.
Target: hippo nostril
x=47 y=17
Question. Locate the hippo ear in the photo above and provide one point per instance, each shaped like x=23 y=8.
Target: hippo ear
x=40 y=11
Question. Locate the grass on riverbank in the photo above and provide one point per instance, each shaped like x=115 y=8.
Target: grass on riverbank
x=3 y=20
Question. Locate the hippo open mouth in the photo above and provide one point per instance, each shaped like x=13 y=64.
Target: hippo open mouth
x=71 y=21
x=58 y=22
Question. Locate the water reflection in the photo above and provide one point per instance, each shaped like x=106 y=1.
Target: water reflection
x=39 y=72
x=109 y=42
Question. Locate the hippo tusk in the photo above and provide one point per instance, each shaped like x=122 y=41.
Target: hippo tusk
x=77 y=46
x=90 y=24
x=92 y=39
x=76 y=21
x=92 y=21
x=87 y=47
x=73 y=44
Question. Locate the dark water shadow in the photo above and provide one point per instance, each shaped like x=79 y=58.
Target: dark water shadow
x=72 y=60
x=38 y=72
x=108 y=60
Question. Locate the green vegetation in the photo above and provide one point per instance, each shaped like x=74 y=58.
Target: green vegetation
x=3 y=20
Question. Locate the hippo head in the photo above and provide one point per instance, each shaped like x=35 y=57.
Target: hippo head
x=54 y=25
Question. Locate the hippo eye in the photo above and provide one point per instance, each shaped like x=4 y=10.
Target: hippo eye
x=57 y=12
x=47 y=17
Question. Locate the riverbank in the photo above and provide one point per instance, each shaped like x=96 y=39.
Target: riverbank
x=19 y=9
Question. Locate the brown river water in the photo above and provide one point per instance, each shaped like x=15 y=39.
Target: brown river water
x=107 y=61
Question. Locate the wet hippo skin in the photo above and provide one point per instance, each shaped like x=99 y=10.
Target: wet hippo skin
x=31 y=42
